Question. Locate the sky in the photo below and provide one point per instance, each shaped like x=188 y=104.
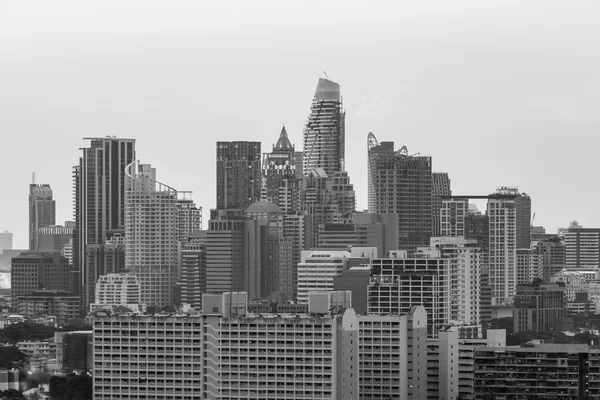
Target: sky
x=496 y=92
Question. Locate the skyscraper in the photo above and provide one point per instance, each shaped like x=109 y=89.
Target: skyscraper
x=99 y=192
x=42 y=211
x=440 y=186
x=324 y=132
x=157 y=217
x=400 y=183
x=238 y=174
x=6 y=241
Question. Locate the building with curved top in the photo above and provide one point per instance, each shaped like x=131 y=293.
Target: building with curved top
x=325 y=132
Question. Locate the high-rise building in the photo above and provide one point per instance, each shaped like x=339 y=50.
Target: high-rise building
x=193 y=269
x=225 y=262
x=502 y=247
x=238 y=174
x=280 y=177
x=6 y=241
x=401 y=183
x=538 y=306
x=465 y=277
x=530 y=265
x=274 y=271
x=32 y=271
x=523 y=220
x=74 y=351
x=582 y=248
x=453 y=214
x=398 y=283
x=42 y=211
x=99 y=193
x=440 y=187
x=553 y=254
x=318 y=204
x=324 y=132
x=157 y=217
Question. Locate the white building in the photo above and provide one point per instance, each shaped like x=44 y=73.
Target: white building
x=575 y=282
x=502 y=248
x=317 y=271
x=582 y=248
x=117 y=290
x=465 y=276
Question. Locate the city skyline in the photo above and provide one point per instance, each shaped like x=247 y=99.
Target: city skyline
x=448 y=92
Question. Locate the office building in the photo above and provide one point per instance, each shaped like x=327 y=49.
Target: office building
x=317 y=271
x=99 y=193
x=452 y=217
x=238 y=174
x=401 y=183
x=42 y=211
x=324 y=135
x=193 y=269
x=151 y=250
x=6 y=241
x=553 y=252
x=318 y=204
x=54 y=238
x=32 y=271
x=269 y=254
x=356 y=280
x=363 y=230
x=343 y=193
x=440 y=187
x=74 y=351
x=538 y=306
x=582 y=248
x=523 y=219
x=398 y=283
x=225 y=252
x=536 y=371
x=530 y=265
x=62 y=304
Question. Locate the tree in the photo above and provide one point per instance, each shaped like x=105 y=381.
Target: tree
x=11 y=394
x=11 y=357
x=15 y=333
x=71 y=387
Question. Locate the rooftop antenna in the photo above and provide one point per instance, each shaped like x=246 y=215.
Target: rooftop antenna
x=326 y=75
x=33 y=177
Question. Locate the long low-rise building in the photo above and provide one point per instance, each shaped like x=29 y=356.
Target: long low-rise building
x=227 y=353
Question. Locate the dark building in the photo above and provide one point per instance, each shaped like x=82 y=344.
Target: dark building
x=401 y=183
x=193 y=270
x=440 y=186
x=325 y=133
x=537 y=306
x=523 y=220
x=74 y=351
x=356 y=279
x=42 y=211
x=99 y=192
x=553 y=256
x=238 y=174
x=37 y=271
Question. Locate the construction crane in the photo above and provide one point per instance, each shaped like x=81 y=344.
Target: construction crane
x=532 y=219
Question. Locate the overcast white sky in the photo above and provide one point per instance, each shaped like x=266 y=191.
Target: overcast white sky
x=497 y=92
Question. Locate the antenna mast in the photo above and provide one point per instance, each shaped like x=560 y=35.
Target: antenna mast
x=33 y=177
